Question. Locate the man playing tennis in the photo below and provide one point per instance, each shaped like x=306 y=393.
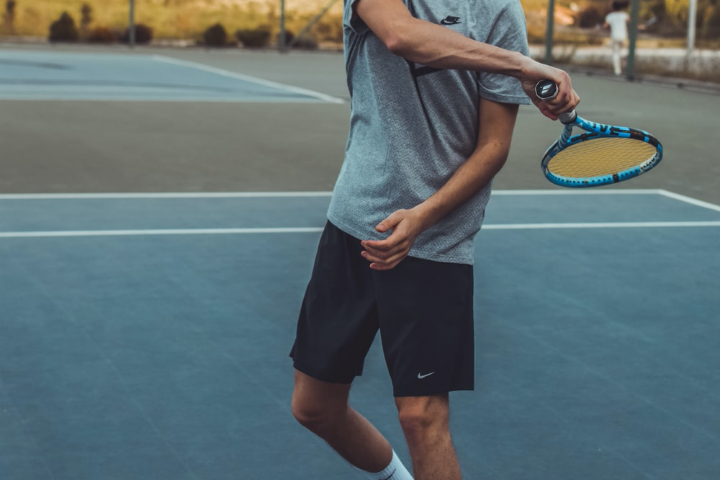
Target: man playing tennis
x=435 y=88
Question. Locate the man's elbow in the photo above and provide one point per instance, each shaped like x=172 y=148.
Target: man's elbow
x=398 y=38
x=396 y=43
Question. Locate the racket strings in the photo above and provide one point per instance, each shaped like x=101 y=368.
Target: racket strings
x=600 y=156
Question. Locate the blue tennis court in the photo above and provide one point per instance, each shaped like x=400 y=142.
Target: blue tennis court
x=124 y=77
x=145 y=336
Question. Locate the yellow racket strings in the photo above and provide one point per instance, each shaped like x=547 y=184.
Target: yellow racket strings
x=601 y=156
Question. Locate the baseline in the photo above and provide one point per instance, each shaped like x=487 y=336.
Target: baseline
x=240 y=231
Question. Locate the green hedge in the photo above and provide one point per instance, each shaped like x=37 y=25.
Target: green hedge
x=215 y=36
x=254 y=38
x=63 y=29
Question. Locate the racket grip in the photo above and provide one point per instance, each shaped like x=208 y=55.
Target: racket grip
x=547 y=90
x=567 y=117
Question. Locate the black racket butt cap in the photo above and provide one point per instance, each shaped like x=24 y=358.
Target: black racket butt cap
x=546 y=89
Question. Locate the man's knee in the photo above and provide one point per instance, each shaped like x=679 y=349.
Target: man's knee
x=316 y=405
x=423 y=417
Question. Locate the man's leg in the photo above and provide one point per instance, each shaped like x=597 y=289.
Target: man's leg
x=323 y=408
x=425 y=422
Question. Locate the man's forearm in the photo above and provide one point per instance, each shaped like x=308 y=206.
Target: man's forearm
x=467 y=181
x=436 y=46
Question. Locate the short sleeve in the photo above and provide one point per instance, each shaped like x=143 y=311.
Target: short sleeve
x=509 y=31
x=351 y=20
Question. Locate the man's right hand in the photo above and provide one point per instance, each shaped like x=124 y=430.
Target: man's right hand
x=567 y=99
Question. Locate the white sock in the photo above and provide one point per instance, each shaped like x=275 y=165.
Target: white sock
x=395 y=471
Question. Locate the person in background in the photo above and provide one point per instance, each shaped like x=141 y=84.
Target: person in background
x=617 y=21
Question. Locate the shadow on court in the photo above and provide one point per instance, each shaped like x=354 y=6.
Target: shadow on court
x=145 y=336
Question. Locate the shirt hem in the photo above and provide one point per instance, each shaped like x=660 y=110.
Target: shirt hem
x=516 y=99
x=415 y=253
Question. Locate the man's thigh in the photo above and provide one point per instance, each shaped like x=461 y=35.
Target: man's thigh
x=338 y=317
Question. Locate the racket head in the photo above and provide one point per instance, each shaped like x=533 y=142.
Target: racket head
x=605 y=155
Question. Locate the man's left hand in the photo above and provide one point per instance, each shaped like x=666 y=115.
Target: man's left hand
x=385 y=254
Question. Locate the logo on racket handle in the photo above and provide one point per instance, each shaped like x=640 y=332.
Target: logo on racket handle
x=547 y=90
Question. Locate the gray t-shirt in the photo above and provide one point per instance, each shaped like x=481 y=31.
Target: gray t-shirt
x=412 y=126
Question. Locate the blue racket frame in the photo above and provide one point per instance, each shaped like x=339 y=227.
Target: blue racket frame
x=594 y=131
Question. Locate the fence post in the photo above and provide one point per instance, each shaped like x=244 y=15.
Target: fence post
x=311 y=23
x=281 y=37
x=131 y=25
x=549 y=32
x=692 y=13
x=634 y=14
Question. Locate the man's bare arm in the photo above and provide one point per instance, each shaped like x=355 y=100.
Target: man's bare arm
x=497 y=121
x=436 y=46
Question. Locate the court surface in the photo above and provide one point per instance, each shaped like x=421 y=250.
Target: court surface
x=154 y=251
x=91 y=76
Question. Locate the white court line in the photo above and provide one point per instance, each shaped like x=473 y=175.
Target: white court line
x=691 y=201
x=140 y=98
x=538 y=226
x=241 y=231
x=130 y=233
x=247 y=78
x=82 y=196
x=629 y=191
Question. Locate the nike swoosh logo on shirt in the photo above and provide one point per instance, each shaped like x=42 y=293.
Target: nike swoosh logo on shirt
x=421 y=376
x=450 y=21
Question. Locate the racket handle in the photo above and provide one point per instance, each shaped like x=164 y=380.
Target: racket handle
x=567 y=117
x=547 y=90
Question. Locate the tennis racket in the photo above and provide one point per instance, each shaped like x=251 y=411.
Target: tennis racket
x=603 y=155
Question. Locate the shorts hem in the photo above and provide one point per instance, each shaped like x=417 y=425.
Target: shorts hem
x=317 y=374
x=434 y=392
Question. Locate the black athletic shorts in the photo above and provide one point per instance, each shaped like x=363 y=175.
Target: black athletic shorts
x=423 y=309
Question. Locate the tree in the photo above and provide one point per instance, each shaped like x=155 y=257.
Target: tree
x=9 y=15
x=86 y=17
x=63 y=29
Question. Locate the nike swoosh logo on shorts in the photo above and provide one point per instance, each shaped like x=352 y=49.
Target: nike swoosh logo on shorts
x=421 y=376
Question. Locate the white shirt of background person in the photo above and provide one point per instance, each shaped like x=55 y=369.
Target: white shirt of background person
x=618 y=25
x=618 y=34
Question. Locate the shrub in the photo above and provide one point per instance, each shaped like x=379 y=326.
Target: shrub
x=288 y=38
x=254 y=38
x=63 y=29
x=711 y=27
x=306 y=42
x=143 y=35
x=9 y=15
x=329 y=28
x=215 y=36
x=101 y=35
x=590 y=18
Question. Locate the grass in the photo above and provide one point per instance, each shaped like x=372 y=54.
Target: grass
x=186 y=19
